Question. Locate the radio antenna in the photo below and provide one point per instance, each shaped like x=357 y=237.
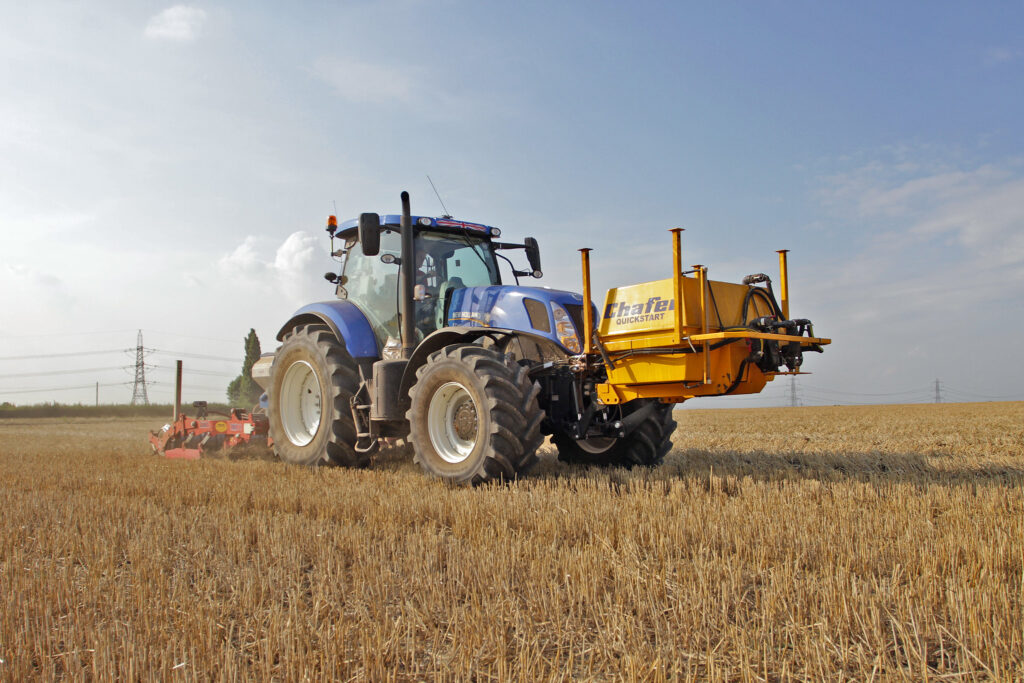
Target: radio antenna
x=335 y=206
x=446 y=214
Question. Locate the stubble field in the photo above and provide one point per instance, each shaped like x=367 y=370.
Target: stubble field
x=848 y=543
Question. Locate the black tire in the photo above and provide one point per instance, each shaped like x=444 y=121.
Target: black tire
x=311 y=422
x=645 y=446
x=484 y=413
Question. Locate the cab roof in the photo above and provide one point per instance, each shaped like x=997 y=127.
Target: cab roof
x=446 y=223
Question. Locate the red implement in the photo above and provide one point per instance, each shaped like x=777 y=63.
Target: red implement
x=190 y=437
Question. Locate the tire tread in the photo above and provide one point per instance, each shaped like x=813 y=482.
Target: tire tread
x=515 y=416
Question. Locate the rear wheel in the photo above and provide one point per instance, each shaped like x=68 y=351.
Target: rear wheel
x=646 y=445
x=311 y=386
x=473 y=415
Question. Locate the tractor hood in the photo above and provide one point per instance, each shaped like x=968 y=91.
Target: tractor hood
x=551 y=313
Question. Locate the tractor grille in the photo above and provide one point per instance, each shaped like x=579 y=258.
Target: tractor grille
x=538 y=313
x=575 y=312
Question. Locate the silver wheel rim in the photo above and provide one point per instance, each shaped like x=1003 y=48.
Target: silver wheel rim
x=453 y=422
x=300 y=403
x=596 y=445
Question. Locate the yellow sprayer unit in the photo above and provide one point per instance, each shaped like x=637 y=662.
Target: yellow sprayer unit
x=689 y=336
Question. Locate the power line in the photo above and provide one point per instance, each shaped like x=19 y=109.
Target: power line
x=200 y=356
x=69 y=354
x=162 y=352
x=40 y=391
x=952 y=390
x=62 y=372
x=192 y=336
x=857 y=393
x=64 y=333
x=123 y=368
x=191 y=371
x=96 y=333
x=161 y=387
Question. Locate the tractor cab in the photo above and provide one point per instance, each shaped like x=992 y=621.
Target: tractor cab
x=447 y=255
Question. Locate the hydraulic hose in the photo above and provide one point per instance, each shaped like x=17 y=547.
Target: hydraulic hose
x=739 y=377
x=768 y=298
x=672 y=350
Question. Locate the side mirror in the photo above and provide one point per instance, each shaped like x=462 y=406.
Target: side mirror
x=369 y=233
x=532 y=253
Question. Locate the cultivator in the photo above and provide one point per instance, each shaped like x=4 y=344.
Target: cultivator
x=190 y=438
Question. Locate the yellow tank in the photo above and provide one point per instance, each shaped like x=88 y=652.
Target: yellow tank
x=688 y=336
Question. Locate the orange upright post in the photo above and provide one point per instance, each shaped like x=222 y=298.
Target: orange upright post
x=588 y=313
x=677 y=284
x=784 y=282
x=702 y=277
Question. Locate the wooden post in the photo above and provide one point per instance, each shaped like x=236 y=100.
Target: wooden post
x=177 y=392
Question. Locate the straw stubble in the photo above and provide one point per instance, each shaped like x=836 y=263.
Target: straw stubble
x=852 y=542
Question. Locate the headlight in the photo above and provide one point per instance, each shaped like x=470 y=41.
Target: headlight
x=565 y=329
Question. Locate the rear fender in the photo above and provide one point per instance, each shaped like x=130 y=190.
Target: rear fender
x=346 y=321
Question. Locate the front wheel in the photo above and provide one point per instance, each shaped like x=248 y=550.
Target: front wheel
x=473 y=415
x=646 y=445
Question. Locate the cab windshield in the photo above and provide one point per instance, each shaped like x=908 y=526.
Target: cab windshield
x=459 y=261
x=444 y=262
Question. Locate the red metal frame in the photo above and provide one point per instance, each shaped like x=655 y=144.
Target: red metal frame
x=189 y=437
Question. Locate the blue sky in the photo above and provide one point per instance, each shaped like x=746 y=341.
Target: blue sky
x=170 y=167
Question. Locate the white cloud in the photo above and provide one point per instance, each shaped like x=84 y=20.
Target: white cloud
x=288 y=272
x=989 y=221
x=244 y=260
x=294 y=256
x=1001 y=55
x=180 y=23
x=982 y=209
x=29 y=291
x=365 y=82
x=31 y=276
x=917 y=248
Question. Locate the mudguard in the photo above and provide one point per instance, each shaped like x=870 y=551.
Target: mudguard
x=346 y=321
x=466 y=335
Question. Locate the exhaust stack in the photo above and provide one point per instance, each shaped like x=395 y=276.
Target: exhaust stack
x=408 y=273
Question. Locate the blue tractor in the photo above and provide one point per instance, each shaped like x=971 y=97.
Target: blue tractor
x=424 y=343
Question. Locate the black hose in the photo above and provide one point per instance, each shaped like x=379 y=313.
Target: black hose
x=714 y=302
x=739 y=377
x=766 y=296
x=672 y=350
